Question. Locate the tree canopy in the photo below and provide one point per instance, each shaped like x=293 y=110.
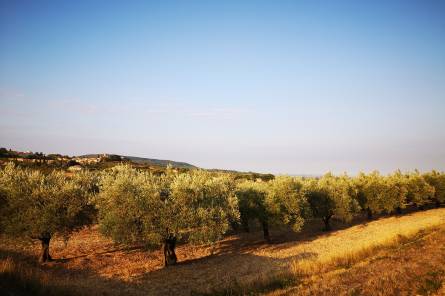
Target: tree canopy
x=331 y=196
x=136 y=206
x=37 y=205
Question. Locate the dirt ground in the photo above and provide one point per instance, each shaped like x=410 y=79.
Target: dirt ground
x=93 y=265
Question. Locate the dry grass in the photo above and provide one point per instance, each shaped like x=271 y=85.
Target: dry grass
x=412 y=266
x=344 y=255
x=17 y=278
x=93 y=265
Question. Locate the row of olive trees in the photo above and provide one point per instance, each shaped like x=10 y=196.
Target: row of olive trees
x=131 y=206
x=291 y=201
x=134 y=206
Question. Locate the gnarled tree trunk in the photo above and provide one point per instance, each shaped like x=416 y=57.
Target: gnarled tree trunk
x=245 y=223
x=45 y=256
x=266 y=231
x=369 y=212
x=327 y=225
x=169 y=251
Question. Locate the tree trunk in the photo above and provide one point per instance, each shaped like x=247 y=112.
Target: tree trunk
x=245 y=224
x=369 y=213
x=234 y=225
x=45 y=256
x=169 y=251
x=327 y=225
x=399 y=211
x=266 y=231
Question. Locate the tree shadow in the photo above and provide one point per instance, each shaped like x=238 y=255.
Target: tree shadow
x=21 y=274
x=217 y=271
x=232 y=261
x=126 y=249
x=214 y=272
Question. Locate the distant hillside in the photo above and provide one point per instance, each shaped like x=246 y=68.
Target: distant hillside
x=160 y=162
x=148 y=161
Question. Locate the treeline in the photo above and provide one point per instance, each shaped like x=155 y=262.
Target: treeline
x=5 y=153
x=135 y=206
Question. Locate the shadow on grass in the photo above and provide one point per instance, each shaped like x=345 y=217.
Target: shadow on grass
x=231 y=270
x=22 y=274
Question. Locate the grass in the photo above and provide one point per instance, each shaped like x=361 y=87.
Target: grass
x=407 y=264
x=347 y=255
x=243 y=265
x=255 y=287
x=19 y=279
x=432 y=282
x=298 y=272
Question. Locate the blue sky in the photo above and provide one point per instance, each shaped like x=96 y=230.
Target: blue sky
x=297 y=87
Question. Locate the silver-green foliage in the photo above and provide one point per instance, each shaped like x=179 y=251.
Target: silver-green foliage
x=35 y=204
x=136 y=206
x=253 y=200
x=286 y=202
x=419 y=191
x=436 y=180
x=331 y=196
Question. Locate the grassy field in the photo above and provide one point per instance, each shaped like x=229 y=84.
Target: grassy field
x=394 y=255
x=411 y=266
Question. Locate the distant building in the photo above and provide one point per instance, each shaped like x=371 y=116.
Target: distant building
x=75 y=168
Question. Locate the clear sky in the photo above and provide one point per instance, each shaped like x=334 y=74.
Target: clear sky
x=297 y=87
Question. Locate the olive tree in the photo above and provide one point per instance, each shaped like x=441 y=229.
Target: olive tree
x=285 y=203
x=372 y=193
x=253 y=204
x=436 y=180
x=331 y=196
x=396 y=192
x=38 y=206
x=136 y=206
x=419 y=191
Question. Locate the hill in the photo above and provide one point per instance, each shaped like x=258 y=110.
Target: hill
x=146 y=161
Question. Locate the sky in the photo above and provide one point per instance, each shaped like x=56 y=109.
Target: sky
x=286 y=87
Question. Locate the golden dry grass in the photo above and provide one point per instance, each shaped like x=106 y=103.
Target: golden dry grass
x=414 y=266
x=93 y=265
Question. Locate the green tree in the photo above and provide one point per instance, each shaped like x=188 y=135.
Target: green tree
x=331 y=196
x=372 y=193
x=253 y=204
x=285 y=202
x=419 y=191
x=436 y=180
x=396 y=192
x=136 y=206
x=38 y=206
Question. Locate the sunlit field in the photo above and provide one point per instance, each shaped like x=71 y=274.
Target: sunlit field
x=91 y=265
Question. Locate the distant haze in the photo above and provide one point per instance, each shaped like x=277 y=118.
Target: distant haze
x=297 y=87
